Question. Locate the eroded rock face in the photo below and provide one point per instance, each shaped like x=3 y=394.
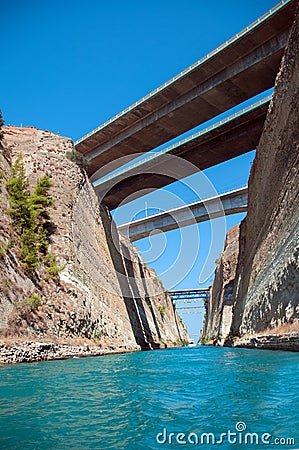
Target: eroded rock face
x=285 y=341
x=220 y=304
x=256 y=286
x=105 y=289
x=267 y=290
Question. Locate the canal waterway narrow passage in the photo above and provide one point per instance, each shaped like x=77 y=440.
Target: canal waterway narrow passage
x=201 y=397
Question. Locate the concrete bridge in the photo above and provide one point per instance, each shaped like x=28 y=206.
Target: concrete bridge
x=231 y=137
x=242 y=67
x=229 y=203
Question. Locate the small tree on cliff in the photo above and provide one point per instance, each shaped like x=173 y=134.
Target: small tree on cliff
x=18 y=193
x=29 y=213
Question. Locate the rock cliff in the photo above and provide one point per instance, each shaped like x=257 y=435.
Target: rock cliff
x=105 y=294
x=266 y=281
x=220 y=303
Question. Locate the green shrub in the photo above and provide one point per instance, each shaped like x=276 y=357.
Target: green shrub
x=52 y=267
x=97 y=335
x=40 y=200
x=77 y=158
x=18 y=194
x=162 y=311
x=182 y=343
x=29 y=213
x=29 y=252
x=31 y=303
x=42 y=239
x=204 y=340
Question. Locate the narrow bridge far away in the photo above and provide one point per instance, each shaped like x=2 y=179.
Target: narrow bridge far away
x=171 y=224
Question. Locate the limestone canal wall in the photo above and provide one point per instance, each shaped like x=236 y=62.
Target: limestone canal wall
x=259 y=295
x=105 y=298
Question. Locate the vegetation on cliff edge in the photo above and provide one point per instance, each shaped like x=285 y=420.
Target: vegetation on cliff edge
x=78 y=158
x=30 y=216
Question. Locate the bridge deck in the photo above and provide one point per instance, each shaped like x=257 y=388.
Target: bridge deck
x=225 y=204
x=231 y=137
x=239 y=69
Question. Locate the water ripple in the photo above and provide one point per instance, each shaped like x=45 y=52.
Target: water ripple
x=123 y=401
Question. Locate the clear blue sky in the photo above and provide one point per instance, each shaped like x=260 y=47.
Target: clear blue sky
x=68 y=66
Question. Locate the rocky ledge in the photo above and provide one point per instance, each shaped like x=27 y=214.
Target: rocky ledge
x=286 y=341
x=44 y=351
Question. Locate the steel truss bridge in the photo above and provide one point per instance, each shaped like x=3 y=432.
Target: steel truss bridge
x=183 y=296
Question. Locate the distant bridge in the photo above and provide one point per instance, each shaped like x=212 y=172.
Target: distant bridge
x=229 y=203
x=184 y=296
x=241 y=68
x=189 y=295
x=190 y=309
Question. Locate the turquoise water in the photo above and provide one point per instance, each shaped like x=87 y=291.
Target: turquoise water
x=125 y=401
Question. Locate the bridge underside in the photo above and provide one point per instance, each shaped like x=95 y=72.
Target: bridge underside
x=226 y=204
x=238 y=70
x=207 y=148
